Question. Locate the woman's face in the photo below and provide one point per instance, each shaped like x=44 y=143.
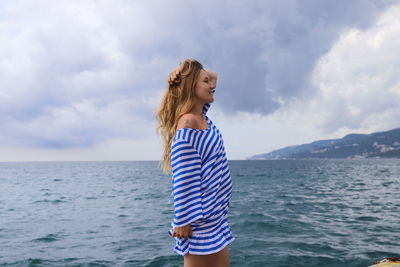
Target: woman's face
x=204 y=89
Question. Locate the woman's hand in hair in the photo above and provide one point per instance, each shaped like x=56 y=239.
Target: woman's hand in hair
x=213 y=77
x=182 y=232
x=173 y=74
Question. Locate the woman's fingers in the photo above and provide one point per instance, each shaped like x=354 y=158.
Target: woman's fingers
x=213 y=78
x=176 y=233
x=181 y=235
x=182 y=232
x=172 y=75
x=212 y=74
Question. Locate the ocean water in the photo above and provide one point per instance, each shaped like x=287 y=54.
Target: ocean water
x=282 y=213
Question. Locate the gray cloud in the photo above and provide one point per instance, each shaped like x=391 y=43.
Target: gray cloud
x=359 y=86
x=85 y=72
x=279 y=48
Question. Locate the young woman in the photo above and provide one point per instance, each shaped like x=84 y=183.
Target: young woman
x=194 y=152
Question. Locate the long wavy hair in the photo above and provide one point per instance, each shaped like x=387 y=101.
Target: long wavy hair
x=177 y=100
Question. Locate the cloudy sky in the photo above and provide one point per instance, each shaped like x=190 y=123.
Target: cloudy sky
x=82 y=80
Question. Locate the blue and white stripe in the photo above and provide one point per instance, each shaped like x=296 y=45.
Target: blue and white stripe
x=201 y=189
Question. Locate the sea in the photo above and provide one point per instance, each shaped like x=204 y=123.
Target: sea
x=282 y=213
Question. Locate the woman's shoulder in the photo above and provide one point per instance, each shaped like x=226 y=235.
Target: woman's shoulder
x=187 y=120
x=191 y=121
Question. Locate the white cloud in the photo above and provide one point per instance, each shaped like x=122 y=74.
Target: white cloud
x=65 y=78
x=79 y=75
x=357 y=90
x=358 y=79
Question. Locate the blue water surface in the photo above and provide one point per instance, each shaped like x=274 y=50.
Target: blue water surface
x=282 y=213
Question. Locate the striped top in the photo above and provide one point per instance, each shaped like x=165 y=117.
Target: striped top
x=201 y=189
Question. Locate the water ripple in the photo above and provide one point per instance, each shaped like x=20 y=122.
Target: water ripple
x=282 y=213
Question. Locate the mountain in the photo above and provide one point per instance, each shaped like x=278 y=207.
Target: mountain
x=374 y=145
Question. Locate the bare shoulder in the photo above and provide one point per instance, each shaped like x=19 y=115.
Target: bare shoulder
x=187 y=121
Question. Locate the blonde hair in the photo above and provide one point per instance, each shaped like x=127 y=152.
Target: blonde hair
x=177 y=100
